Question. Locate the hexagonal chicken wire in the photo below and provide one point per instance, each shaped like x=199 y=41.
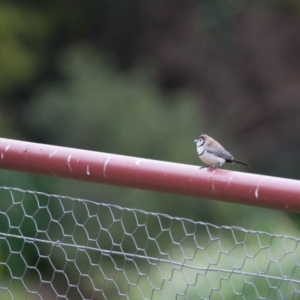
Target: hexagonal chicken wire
x=55 y=247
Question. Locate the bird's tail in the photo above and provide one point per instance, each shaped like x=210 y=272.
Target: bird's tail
x=242 y=163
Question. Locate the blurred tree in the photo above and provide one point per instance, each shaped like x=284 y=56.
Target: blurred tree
x=237 y=56
x=21 y=35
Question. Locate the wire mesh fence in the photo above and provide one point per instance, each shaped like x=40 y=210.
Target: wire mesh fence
x=56 y=247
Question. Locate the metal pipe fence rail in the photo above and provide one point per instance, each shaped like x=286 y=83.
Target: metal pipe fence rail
x=222 y=185
x=57 y=247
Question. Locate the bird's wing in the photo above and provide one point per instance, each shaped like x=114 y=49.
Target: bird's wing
x=221 y=152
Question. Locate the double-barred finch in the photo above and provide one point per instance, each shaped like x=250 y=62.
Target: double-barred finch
x=212 y=153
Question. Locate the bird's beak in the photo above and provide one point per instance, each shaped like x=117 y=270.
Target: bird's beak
x=195 y=141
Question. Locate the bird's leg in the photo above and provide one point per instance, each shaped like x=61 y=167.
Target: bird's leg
x=213 y=167
x=203 y=167
x=216 y=166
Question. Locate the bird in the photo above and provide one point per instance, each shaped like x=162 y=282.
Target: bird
x=212 y=153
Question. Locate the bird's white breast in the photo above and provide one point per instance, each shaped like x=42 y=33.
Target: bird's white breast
x=209 y=158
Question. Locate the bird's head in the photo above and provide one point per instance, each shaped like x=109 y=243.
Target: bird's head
x=201 y=140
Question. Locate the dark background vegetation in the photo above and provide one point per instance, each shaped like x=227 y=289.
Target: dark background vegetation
x=144 y=78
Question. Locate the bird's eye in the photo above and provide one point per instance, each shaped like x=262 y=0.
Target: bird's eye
x=200 y=141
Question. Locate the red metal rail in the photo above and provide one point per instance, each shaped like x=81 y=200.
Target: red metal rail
x=223 y=185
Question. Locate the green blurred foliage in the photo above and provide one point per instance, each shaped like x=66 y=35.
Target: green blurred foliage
x=104 y=110
x=22 y=33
